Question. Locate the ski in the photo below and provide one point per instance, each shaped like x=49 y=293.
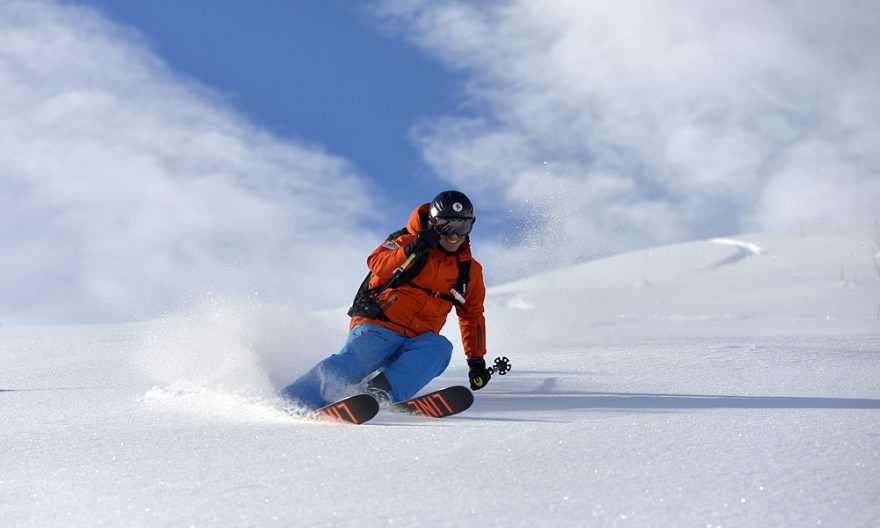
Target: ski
x=355 y=409
x=437 y=404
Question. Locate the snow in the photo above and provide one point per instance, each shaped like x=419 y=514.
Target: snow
x=705 y=384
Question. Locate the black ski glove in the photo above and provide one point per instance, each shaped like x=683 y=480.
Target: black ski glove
x=478 y=374
x=426 y=239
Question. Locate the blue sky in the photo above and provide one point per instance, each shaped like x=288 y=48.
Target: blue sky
x=154 y=154
x=322 y=72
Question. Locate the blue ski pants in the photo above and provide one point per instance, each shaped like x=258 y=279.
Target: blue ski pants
x=408 y=363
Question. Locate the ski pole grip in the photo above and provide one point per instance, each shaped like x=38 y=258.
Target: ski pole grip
x=406 y=263
x=395 y=275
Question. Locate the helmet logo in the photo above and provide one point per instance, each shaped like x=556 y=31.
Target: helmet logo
x=457 y=207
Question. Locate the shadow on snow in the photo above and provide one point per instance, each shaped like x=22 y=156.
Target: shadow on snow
x=567 y=401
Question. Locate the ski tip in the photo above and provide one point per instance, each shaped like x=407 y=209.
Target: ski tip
x=462 y=392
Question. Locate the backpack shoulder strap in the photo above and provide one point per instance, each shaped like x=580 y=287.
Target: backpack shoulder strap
x=399 y=232
x=464 y=276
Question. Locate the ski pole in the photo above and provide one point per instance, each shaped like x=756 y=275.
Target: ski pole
x=396 y=275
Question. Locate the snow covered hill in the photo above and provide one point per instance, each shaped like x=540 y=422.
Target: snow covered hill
x=732 y=382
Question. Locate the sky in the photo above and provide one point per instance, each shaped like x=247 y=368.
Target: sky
x=153 y=154
x=318 y=73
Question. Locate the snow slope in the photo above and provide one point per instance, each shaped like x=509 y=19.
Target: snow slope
x=717 y=383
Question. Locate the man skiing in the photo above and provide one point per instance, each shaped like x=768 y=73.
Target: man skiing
x=416 y=277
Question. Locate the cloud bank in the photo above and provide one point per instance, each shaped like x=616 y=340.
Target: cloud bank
x=610 y=126
x=126 y=190
x=589 y=129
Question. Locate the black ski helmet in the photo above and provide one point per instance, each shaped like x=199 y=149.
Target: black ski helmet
x=452 y=211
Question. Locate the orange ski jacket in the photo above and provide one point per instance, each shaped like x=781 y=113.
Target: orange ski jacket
x=415 y=307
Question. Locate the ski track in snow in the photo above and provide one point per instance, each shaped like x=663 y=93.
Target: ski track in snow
x=743 y=250
x=746 y=394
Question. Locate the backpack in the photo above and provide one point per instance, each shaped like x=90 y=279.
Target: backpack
x=366 y=300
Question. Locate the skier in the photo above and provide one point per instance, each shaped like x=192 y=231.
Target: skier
x=394 y=332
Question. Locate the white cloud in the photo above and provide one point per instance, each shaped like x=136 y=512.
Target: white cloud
x=644 y=122
x=603 y=127
x=126 y=190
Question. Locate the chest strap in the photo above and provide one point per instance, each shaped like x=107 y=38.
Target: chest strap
x=456 y=294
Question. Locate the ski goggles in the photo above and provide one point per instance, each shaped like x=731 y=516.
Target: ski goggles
x=454 y=226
